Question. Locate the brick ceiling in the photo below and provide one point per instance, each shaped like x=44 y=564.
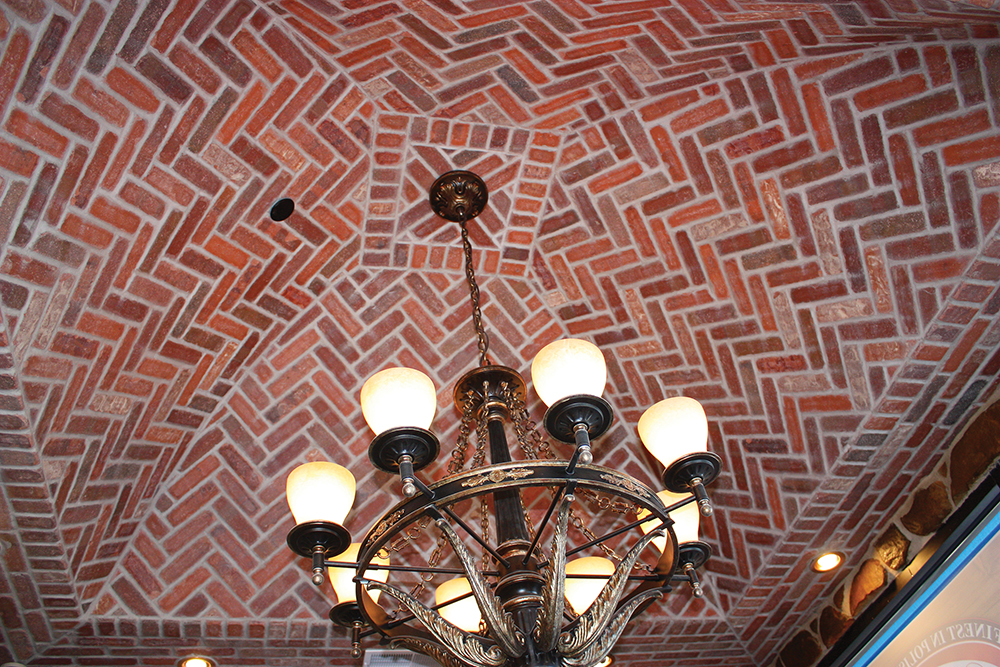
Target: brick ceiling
x=786 y=210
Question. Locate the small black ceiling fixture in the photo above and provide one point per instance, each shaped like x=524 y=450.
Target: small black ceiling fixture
x=282 y=209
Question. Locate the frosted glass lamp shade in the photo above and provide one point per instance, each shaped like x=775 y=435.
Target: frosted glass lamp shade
x=398 y=397
x=685 y=520
x=320 y=491
x=464 y=613
x=568 y=367
x=673 y=428
x=342 y=578
x=581 y=592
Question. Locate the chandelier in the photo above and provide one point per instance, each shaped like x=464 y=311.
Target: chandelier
x=515 y=589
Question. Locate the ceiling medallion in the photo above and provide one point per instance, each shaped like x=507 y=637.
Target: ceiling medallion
x=458 y=196
x=482 y=565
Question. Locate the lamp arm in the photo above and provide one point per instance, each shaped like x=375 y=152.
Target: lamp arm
x=411 y=483
x=582 y=453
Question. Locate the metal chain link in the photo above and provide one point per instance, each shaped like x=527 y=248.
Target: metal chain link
x=484 y=525
x=458 y=455
x=482 y=339
x=482 y=437
x=531 y=442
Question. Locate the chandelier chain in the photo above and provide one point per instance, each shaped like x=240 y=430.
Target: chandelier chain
x=458 y=455
x=482 y=338
x=478 y=461
x=482 y=437
x=433 y=561
x=529 y=439
x=484 y=524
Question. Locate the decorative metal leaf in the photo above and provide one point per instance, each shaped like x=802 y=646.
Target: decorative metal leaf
x=498 y=623
x=554 y=594
x=464 y=645
x=430 y=649
x=594 y=652
x=593 y=621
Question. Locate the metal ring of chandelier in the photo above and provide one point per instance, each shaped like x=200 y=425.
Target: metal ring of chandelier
x=513 y=475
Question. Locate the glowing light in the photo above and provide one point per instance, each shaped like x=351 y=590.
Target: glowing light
x=827 y=562
x=196 y=662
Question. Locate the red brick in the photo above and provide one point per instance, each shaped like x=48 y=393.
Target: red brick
x=818 y=117
x=978 y=150
x=17 y=159
x=14 y=59
x=70 y=117
x=115 y=215
x=92 y=234
x=36 y=133
x=100 y=326
x=195 y=68
x=753 y=143
x=79 y=43
x=288 y=52
x=699 y=116
x=951 y=129
x=99 y=101
x=783 y=157
x=889 y=92
x=132 y=90
x=31 y=270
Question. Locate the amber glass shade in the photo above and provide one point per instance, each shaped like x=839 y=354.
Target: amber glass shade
x=581 y=592
x=685 y=520
x=342 y=578
x=398 y=397
x=464 y=613
x=320 y=491
x=568 y=367
x=673 y=428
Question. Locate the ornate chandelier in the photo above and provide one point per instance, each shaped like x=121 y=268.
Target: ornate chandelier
x=509 y=591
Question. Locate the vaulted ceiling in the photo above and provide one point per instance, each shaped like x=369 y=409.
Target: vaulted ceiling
x=785 y=210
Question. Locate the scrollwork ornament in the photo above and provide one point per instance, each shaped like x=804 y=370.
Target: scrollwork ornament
x=594 y=652
x=466 y=646
x=626 y=483
x=497 y=476
x=554 y=593
x=592 y=623
x=499 y=623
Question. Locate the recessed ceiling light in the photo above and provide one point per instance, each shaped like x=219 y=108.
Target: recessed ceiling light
x=828 y=561
x=196 y=662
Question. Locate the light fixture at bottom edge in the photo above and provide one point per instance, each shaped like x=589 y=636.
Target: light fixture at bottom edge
x=196 y=661
x=828 y=562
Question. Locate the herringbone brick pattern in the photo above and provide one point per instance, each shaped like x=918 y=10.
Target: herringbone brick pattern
x=786 y=211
